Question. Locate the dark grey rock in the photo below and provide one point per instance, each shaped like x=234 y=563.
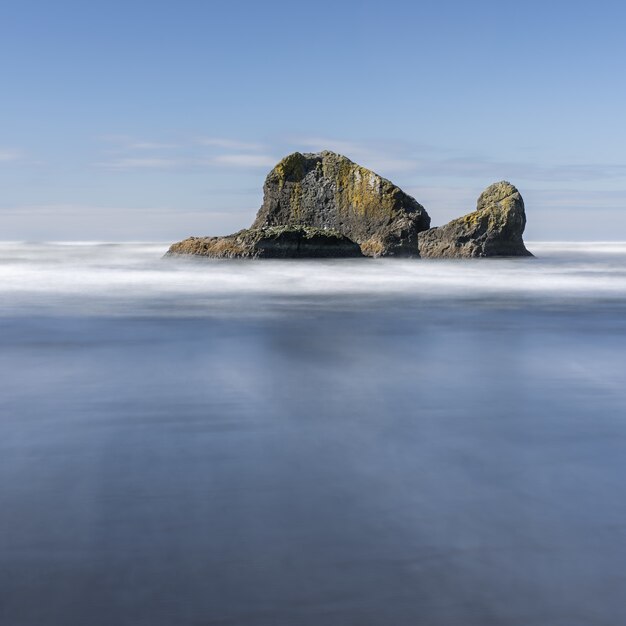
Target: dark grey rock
x=328 y=191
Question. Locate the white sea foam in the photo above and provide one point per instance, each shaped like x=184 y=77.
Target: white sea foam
x=102 y=277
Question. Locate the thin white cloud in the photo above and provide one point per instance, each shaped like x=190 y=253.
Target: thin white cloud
x=67 y=209
x=151 y=145
x=9 y=155
x=480 y=167
x=123 y=143
x=229 y=144
x=113 y=138
x=244 y=160
x=86 y=210
x=142 y=163
x=190 y=154
x=406 y=163
x=222 y=160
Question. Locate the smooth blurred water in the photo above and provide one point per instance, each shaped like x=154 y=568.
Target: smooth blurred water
x=351 y=442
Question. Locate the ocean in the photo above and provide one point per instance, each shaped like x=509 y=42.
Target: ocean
x=360 y=442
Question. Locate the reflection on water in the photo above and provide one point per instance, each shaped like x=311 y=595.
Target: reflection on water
x=266 y=444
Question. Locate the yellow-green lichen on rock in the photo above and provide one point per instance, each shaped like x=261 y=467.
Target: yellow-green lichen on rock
x=291 y=169
x=329 y=191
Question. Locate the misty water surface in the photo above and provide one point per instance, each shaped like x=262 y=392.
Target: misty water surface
x=351 y=442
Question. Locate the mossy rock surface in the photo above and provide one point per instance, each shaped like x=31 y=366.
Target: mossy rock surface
x=328 y=191
x=276 y=242
x=495 y=228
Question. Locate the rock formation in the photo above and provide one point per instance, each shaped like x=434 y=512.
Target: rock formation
x=328 y=191
x=324 y=205
x=494 y=229
x=274 y=242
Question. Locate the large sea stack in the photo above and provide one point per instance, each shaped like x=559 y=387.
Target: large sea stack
x=494 y=229
x=340 y=205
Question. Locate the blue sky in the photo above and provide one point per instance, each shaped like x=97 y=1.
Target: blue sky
x=151 y=120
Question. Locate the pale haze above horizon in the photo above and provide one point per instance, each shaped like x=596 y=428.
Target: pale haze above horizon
x=152 y=120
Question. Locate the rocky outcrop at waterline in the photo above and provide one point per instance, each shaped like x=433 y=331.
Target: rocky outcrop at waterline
x=494 y=229
x=324 y=205
x=274 y=242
